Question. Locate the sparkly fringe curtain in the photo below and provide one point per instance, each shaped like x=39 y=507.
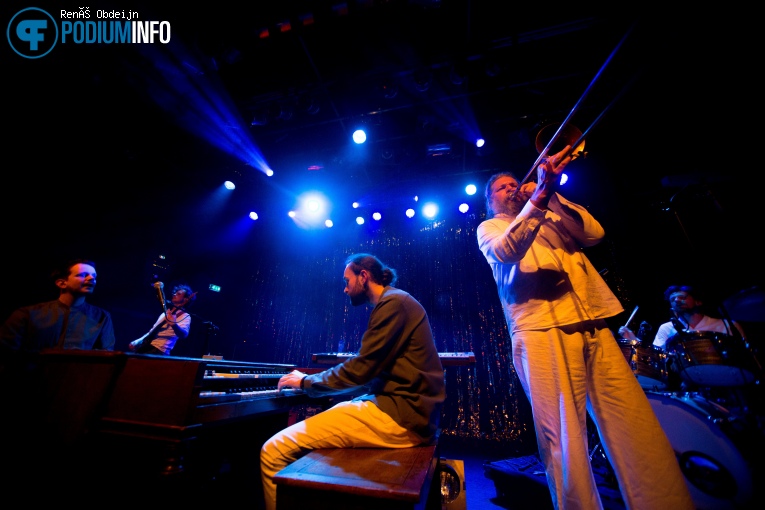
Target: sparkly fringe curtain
x=297 y=307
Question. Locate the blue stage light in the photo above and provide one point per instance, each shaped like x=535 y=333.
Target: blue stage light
x=359 y=136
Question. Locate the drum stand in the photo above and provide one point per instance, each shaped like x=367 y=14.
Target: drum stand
x=597 y=455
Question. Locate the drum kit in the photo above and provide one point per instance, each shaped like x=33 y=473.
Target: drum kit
x=696 y=358
x=715 y=432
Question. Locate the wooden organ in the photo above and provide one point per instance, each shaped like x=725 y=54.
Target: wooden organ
x=186 y=429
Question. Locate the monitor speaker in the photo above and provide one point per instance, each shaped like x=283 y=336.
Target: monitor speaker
x=452 y=474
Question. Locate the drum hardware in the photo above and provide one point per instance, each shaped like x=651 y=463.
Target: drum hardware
x=703 y=435
x=647 y=363
x=644 y=332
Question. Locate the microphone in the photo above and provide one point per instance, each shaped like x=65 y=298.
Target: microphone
x=677 y=323
x=161 y=294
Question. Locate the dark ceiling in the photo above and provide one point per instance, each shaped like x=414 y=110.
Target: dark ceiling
x=283 y=85
x=127 y=139
x=416 y=74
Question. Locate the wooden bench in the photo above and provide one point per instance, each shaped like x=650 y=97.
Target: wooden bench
x=361 y=478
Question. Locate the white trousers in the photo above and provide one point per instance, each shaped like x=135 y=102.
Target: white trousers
x=567 y=371
x=350 y=424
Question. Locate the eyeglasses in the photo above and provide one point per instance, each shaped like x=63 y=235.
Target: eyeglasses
x=511 y=185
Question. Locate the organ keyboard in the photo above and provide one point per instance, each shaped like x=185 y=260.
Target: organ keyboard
x=151 y=419
x=448 y=359
x=173 y=392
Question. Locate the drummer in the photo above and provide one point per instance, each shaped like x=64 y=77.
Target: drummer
x=686 y=306
x=687 y=315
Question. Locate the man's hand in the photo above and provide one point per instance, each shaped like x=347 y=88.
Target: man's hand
x=291 y=380
x=526 y=190
x=627 y=333
x=548 y=177
x=551 y=168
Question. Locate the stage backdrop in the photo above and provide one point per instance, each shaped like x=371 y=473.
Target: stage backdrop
x=295 y=306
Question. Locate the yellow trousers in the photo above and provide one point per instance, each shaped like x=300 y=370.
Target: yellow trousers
x=571 y=370
x=350 y=424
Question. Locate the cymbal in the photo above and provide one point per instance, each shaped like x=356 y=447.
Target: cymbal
x=747 y=305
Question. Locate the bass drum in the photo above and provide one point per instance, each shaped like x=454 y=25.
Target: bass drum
x=717 y=475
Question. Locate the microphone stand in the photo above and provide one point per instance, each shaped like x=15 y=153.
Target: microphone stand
x=644 y=334
x=739 y=393
x=210 y=329
x=735 y=333
x=678 y=324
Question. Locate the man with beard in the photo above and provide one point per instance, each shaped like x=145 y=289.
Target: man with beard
x=687 y=308
x=566 y=357
x=397 y=375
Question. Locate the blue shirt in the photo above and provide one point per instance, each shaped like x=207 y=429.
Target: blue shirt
x=53 y=324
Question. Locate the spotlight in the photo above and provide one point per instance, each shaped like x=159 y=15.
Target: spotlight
x=439 y=149
x=253 y=215
x=260 y=117
x=312 y=210
x=470 y=189
x=307 y=19
x=229 y=185
x=464 y=208
x=423 y=79
x=309 y=104
x=355 y=205
x=480 y=142
x=563 y=179
x=313 y=108
x=359 y=220
x=389 y=90
x=340 y=9
x=457 y=73
x=430 y=210
x=359 y=136
x=410 y=213
x=313 y=205
x=286 y=110
x=492 y=69
x=329 y=224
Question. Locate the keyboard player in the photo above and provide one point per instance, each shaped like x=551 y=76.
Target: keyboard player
x=397 y=371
